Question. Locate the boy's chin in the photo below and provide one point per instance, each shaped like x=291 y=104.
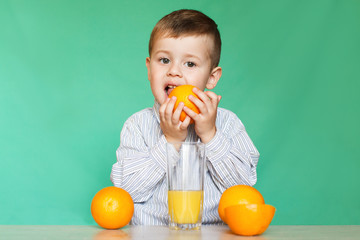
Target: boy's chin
x=162 y=100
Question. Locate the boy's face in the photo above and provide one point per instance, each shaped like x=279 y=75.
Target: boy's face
x=180 y=61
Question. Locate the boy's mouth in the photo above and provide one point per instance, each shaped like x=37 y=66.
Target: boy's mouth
x=169 y=88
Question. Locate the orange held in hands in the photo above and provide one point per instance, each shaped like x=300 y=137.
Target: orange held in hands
x=112 y=207
x=182 y=95
x=243 y=208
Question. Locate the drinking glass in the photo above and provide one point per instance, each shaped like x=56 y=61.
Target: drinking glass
x=185 y=173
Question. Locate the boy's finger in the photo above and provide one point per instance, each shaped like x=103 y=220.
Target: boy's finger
x=200 y=104
x=177 y=113
x=170 y=107
x=203 y=96
x=213 y=97
x=190 y=113
x=184 y=125
x=163 y=107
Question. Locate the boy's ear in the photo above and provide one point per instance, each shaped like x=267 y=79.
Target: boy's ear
x=147 y=63
x=214 y=77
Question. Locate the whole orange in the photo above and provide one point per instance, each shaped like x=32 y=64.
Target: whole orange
x=249 y=219
x=182 y=95
x=112 y=207
x=238 y=194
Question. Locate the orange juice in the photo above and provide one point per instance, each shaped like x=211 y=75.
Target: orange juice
x=185 y=206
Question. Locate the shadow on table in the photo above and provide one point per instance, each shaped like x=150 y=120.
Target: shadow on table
x=199 y=235
x=229 y=235
x=112 y=235
x=184 y=235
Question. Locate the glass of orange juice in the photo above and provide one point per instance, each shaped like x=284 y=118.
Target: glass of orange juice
x=185 y=173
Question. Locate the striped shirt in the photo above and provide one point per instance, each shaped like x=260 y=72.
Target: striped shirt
x=231 y=159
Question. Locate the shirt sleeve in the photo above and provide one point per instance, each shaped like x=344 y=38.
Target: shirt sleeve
x=139 y=168
x=232 y=156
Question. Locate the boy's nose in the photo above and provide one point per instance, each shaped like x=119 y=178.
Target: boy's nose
x=174 y=71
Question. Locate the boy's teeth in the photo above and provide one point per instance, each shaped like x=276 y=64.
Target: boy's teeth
x=169 y=89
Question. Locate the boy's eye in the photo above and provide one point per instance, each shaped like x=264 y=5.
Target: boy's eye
x=190 y=64
x=164 y=60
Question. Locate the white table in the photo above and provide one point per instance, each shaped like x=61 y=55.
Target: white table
x=29 y=232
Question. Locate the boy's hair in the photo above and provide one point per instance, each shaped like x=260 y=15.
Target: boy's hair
x=188 y=22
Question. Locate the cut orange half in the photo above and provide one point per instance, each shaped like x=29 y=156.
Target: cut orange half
x=249 y=219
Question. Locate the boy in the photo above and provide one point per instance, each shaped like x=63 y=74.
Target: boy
x=184 y=48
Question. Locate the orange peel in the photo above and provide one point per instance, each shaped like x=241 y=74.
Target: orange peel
x=249 y=219
x=238 y=194
x=182 y=94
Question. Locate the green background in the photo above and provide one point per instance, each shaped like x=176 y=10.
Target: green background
x=72 y=72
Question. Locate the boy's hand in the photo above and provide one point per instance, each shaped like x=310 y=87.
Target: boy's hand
x=204 y=121
x=173 y=129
